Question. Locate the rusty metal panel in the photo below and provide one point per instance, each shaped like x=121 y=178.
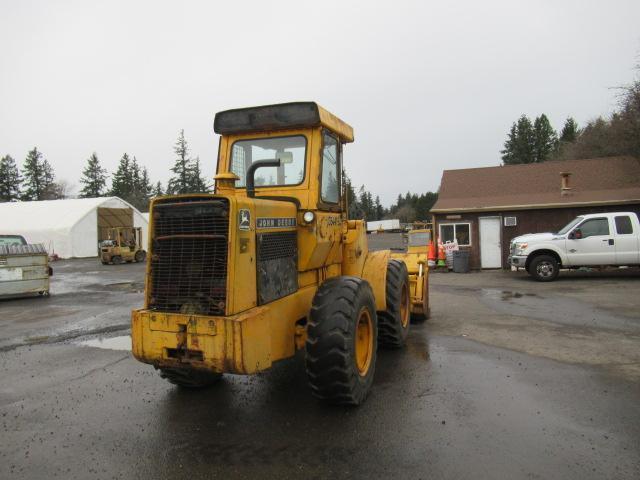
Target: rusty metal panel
x=277 y=265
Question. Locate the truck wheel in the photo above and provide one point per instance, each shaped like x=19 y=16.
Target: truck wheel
x=189 y=378
x=544 y=268
x=393 y=323
x=342 y=341
x=140 y=256
x=116 y=260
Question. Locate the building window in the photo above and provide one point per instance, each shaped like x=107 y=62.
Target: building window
x=456 y=231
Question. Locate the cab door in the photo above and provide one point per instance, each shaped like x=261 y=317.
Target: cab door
x=592 y=243
x=627 y=241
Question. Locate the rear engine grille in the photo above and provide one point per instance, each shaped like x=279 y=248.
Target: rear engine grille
x=189 y=256
x=277 y=245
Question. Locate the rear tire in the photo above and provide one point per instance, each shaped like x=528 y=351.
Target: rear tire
x=190 y=378
x=342 y=341
x=393 y=323
x=544 y=268
x=140 y=256
x=116 y=260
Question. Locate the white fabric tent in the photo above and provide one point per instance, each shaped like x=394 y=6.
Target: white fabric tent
x=70 y=228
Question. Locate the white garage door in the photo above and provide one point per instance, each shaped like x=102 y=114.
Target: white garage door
x=490 y=247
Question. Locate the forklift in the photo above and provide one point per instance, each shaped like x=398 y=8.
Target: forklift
x=123 y=244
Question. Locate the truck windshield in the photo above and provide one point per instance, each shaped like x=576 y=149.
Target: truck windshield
x=246 y=152
x=12 y=240
x=570 y=225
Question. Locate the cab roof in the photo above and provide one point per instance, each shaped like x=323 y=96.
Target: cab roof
x=282 y=116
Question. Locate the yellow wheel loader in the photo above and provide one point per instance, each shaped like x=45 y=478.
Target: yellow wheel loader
x=270 y=263
x=124 y=244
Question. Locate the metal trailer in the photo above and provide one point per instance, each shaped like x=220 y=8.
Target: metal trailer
x=24 y=270
x=384 y=226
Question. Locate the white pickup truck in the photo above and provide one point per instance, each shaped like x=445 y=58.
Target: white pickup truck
x=597 y=239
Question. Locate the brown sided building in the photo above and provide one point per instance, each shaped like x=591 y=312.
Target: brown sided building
x=484 y=208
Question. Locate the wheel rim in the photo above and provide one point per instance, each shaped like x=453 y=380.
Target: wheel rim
x=404 y=306
x=545 y=269
x=364 y=342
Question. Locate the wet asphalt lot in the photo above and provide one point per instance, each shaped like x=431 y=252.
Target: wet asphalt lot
x=509 y=379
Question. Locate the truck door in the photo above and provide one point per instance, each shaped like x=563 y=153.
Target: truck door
x=591 y=243
x=627 y=240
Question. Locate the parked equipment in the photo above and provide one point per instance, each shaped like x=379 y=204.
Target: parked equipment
x=124 y=244
x=416 y=259
x=24 y=268
x=384 y=226
x=270 y=263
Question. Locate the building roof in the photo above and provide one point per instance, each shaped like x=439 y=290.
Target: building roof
x=16 y=217
x=596 y=181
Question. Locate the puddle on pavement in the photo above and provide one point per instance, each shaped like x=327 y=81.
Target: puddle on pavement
x=555 y=309
x=114 y=343
x=504 y=295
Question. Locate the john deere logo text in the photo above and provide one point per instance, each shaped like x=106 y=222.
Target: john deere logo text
x=279 y=222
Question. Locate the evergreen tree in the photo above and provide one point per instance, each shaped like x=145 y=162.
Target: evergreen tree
x=94 y=178
x=10 y=180
x=157 y=190
x=570 y=131
x=182 y=180
x=520 y=144
x=197 y=184
x=38 y=176
x=545 y=139
x=379 y=209
x=122 y=180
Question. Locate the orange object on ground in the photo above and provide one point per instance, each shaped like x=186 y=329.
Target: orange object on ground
x=442 y=256
x=432 y=251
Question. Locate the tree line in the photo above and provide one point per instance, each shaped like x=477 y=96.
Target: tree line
x=537 y=141
x=36 y=180
x=407 y=208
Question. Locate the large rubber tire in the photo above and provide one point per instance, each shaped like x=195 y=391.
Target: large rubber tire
x=189 y=378
x=544 y=268
x=116 y=259
x=393 y=323
x=340 y=367
x=140 y=256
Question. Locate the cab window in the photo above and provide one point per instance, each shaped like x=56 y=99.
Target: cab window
x=330 y=187
x=291 y=172
x=594 y=227
x=623 y=225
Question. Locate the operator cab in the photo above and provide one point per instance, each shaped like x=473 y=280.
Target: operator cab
x=290 y=151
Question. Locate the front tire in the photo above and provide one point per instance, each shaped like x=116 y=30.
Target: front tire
x=342 y=341
x=140 y=256
x=190 y=378
x=394 y=322
x=544 y=268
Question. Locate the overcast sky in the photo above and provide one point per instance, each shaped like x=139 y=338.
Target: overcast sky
x=426 y=85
